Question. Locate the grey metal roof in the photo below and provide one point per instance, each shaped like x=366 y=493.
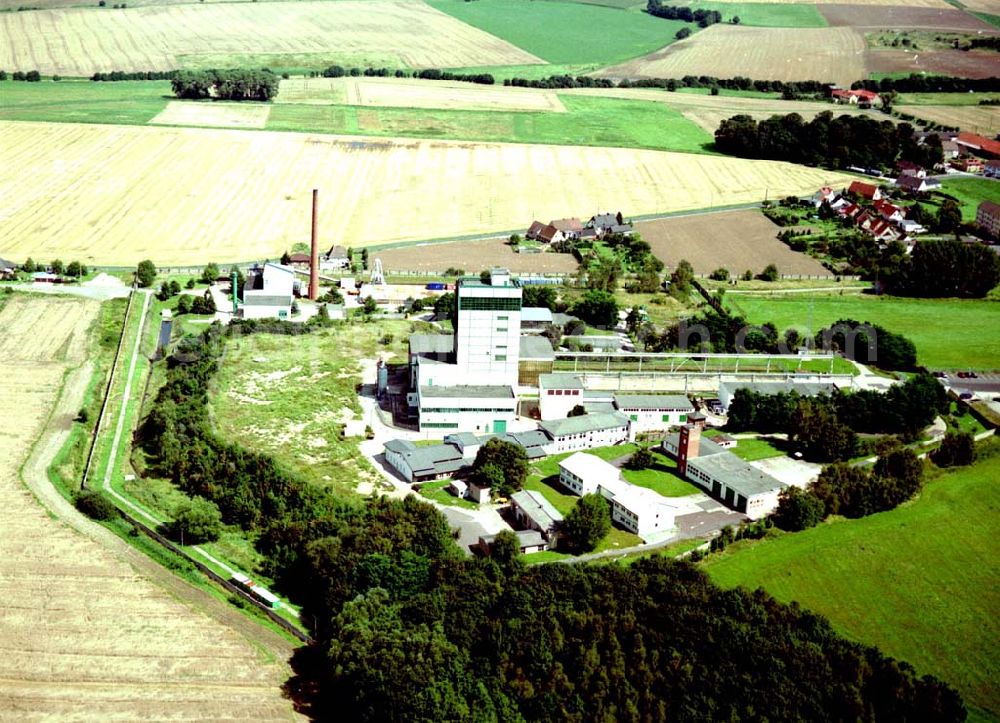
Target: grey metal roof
x=807 y=389
x=536 y=314
x=736 y=474
x=598 y=407
x=653 y=401
x=559 y=381
x=536 y=348
x=561 y=319
x=267 y=300
x=5 y=264
x=531 y=439
x=465 y=439
x=473 y=391
x=432 y=343
x=538 y=509
x=439 y=459
x=400 y=445
x=604 y=220
x=337 y=252
x=584 y=423
x=621 y=228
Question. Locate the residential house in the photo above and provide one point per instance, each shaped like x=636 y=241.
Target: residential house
x=968 y=164
x=950 y=149
x=867 y=191
x=7 y=269
x=550 y=234
x=888 y=211
x=861 y=98
x=988 y=217
x=533 y=230
x=824 y=195
x=912 y=184
x=571 y=228
x=654 y=412
x=335 y=259
x=299 y=261
x=587 y=431
x=909 y=168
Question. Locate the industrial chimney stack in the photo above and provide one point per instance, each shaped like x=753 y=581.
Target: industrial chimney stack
x=314 y=258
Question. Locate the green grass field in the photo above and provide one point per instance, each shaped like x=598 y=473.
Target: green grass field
x=948 y=333
x=971 y=192
x=590 y=121
x=752 y=449
x=83 y=101
x=768 y=15
x=568 y=33
x=919 y=582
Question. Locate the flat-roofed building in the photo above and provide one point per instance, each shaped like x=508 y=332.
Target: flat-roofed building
x=268 y=292
x=587 y=431
x=558 y=394
x=482 y=408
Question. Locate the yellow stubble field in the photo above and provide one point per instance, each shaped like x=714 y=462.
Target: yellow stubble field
x=81 y=41
x=982 y=119
x=118 y=194
x=727 y=51
x=82 y=634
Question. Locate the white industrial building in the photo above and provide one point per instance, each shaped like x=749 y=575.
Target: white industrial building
x=481 y=409
x=725 y=476
x=488 y=329
x=558 y=394
x=587 y=431
x=268 y=292
x=637 y=509
x=654 y=412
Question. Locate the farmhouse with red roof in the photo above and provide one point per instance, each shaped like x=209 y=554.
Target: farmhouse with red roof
x=867 y=191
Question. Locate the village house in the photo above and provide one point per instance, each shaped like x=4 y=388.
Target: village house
x=988 y=218
x=605 y=223
x=968 y=164
x=571 y=228
x=912 y=184
x=299 y=261
x=909 y=168
x=888 y=210
x=861 y=98
x=335 y=259
x=867 y=191
x=7 y=269
x=986 y=147
x=544 y=233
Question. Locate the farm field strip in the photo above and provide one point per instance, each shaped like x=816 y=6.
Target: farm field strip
x=734 y=240
x=238 y=195
x=80 y=41
x=983 y=119
x=971 y=64
x=725 y=51
x=221 y=115
x=82 y=634
x=900 y=15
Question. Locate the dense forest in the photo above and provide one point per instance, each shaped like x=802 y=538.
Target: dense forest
x=409 y=629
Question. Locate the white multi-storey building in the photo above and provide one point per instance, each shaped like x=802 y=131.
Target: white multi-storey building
x=488 y=330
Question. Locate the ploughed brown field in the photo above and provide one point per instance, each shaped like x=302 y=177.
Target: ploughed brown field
x=902 y=17
x=83 y=633
x=971 y=64
x=472 y=256
x=733 y=240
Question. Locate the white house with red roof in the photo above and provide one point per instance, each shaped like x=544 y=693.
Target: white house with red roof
x=855 y=97
x=867 y=191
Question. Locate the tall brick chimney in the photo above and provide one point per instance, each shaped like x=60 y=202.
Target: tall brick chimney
x=688 y=447
x=314 y=258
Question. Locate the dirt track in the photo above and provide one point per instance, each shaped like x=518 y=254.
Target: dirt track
x=91 y=628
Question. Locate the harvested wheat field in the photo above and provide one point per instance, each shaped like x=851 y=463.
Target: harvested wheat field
x=984 y=119
x=119 y=194
x=708 y=111
x=312 y=91
x=983 y=6
x=81 y=41
x=733 y=240
x=214 y=115
x=83 y=634
x=726 y=51
x=964 y=64
x=452 y=95
x=473 y=255
x=941 y=17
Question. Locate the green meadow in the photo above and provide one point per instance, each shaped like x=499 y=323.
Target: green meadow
x=84 y=101
x=768 y=15
x=567 y=33
x=971 y=192
x=948 y=333
x=919 y=582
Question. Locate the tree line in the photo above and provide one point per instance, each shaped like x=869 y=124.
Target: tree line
x=259 y=85
x=407 y=628
x=117 y=75
x=702 y=16
x=917 y=83
x=339 y=71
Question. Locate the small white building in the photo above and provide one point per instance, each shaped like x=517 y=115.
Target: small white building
x=636 y=509
x=654 y=412
x=558 y=394
x=335 y=259
x=268 y=292
x=482 y=409
x=587 y=431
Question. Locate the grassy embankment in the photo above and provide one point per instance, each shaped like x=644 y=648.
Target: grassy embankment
x=948 y=333
x=919 y=582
